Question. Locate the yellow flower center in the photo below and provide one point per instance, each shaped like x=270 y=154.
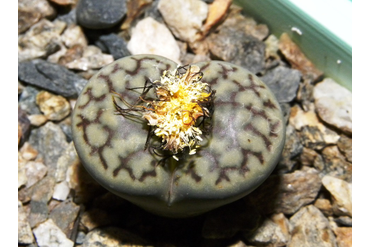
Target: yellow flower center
x=176 y=112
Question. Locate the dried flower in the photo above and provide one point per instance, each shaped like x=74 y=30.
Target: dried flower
x=179 y=112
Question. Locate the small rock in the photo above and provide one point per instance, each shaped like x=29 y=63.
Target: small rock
x=245 y=25
x=22 y=177
x=54 y=107
x=334 y=164
x=112 y=236
x=308 y=156
x=35 y=171
x=239 y=48
x=314 y=127
x=64 y=215
x=65 y=125
x=283 y=223
x=184 y=17
x=73 y=35
x=287 y=193
x=311 y=228
x=283 y=82
x=92 y=58
x=37 y=119
x=344 y=236
x=50 y=141
x=304 y=95
x=96 y=14
x=31 y=11
x=80 y=237
x=28 y=152
x=67 y=159
x=41 y=40
x=27 y=100
x=152 y=11
x=134 y=9
x=297 y=59
x=49 y=76
x=61 y=191
x=312 y=138
x=269 y=233
x=41 y=193
x=70 y=55
x=114 y=45
x=292 y=149
x=69 y=18
x=151 y=37
x=24 y=126
x=345 y=147
x=325 y=206
x=341 y=192
x=24 y=229
x=272 y=47
x=334 y=104
x=54 y=58
x=48 y=234
x=343 y=221
x=216 y=12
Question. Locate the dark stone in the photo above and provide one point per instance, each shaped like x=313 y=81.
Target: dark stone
x=152 y=11
x=238 y=48
x=311 y=137
x=40 y=193
x=50 y=141
x=27 y=100
x=97 y=14
x=49 y=76
x=292 y=149
x=286 y=193
x=113 y=44
x=25 y=124
x=69 y=18
x=64 y=216
x=283 y=82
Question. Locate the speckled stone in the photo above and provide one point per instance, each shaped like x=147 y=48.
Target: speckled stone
x=184 y=17
x=344 y=236
x=48 y=234
x=341 y=192
x=113 y=44
x=51 y=77
x=283 y=82
x=247 y=139
x=27 y=100
x=24 y=229
x=96 y=14
x=41 y=40
x=311 y=228
x=152 y=37
x=64 y=215
x=287 y=193
x=334 y=104
x=31 y=11
x=55 y=107
x=74 y=35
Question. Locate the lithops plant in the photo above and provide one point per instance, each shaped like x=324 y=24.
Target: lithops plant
x=234 y=141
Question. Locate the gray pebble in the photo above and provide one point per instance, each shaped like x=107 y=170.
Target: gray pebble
x=50 y=141
x=96 y=14
x=27 y=100
x=49 y=76
x=113 y=44
x=238 y=48
x=311 y=228
x=283 y=82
